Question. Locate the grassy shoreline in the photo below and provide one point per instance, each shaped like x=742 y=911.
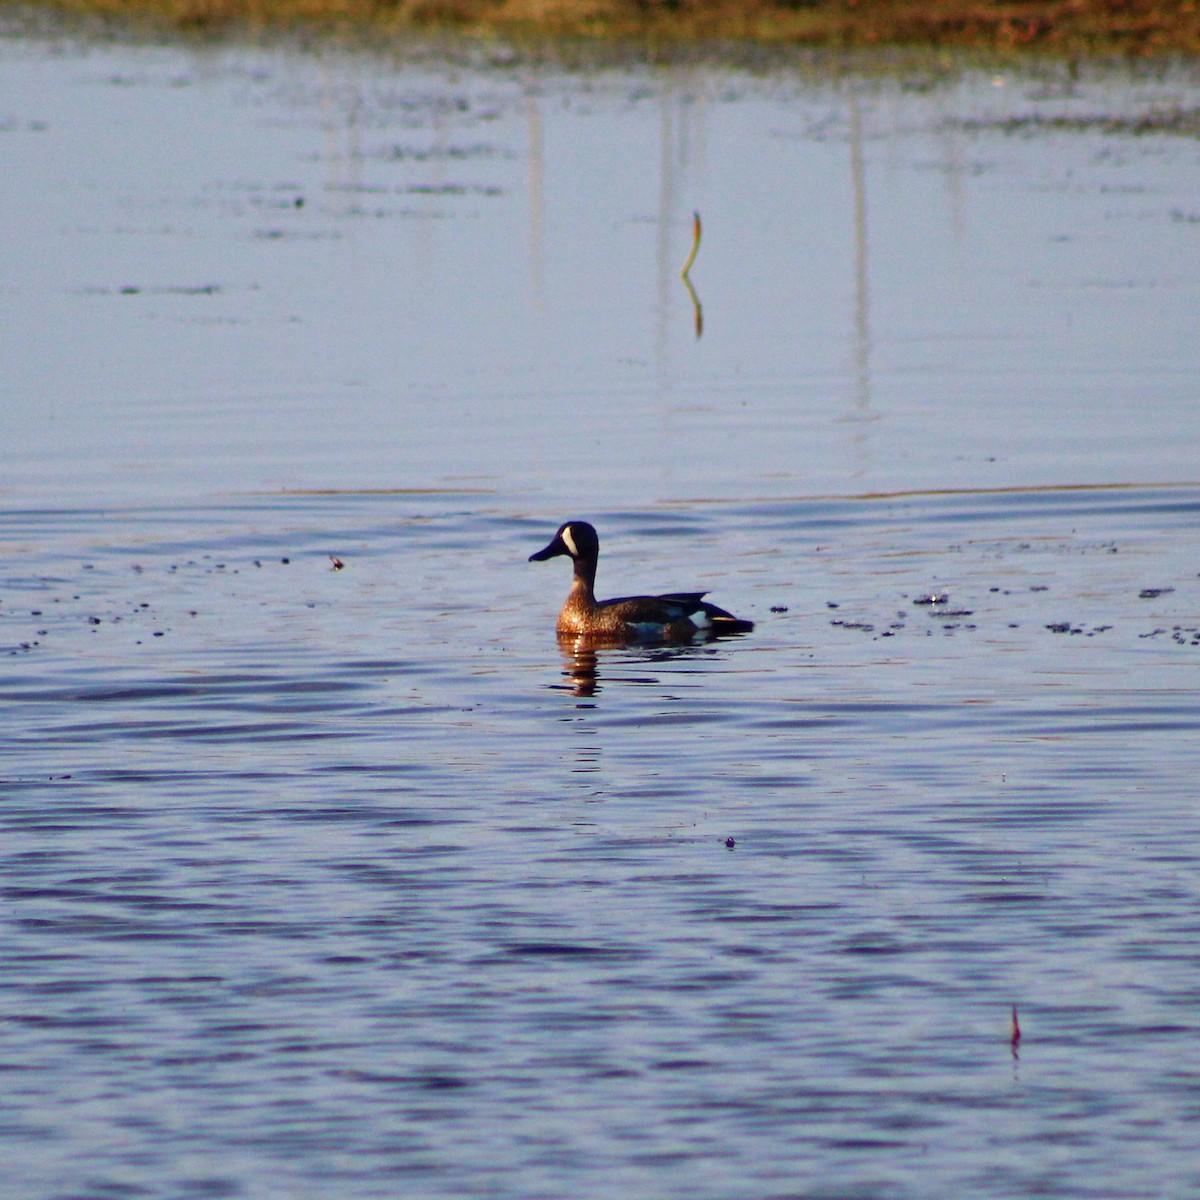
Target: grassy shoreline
x=1065 y=28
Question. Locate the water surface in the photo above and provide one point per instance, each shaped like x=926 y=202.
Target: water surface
x=347 y=880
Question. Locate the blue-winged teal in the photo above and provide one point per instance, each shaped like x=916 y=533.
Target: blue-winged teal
x=677 y=616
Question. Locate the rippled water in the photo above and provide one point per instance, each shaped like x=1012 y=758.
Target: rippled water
x=329 y=880
x=326 y=872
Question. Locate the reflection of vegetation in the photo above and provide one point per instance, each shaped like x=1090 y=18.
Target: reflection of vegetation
x=1065 y=26
x=1182 y=121
x=684 y=275
x=697 y=310
x=691 y=258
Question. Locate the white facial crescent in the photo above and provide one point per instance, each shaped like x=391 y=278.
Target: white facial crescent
x=569 y=542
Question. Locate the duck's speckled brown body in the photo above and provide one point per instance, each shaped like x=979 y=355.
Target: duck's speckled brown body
x=676 y=616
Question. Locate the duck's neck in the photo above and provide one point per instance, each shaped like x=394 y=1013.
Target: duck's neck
x=584 y=583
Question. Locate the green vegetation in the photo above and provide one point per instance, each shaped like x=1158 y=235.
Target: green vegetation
x=1066 y=27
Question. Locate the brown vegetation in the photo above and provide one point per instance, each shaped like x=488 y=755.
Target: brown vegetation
x=1062 y=26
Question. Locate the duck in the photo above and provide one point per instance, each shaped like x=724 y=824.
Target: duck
x=673 y=617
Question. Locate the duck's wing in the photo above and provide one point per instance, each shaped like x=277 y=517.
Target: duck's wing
x=674 y=606
x=688 y=599
x=675 y=612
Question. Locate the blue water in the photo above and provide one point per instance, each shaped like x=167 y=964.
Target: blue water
x=341 y=884
x=327 y=871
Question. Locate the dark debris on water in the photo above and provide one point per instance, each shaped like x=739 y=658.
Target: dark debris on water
x=67 y=615
x=951 y=620
x=1182 y=635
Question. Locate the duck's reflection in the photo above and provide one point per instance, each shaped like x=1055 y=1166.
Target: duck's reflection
x=581 y=663
x=583 y=653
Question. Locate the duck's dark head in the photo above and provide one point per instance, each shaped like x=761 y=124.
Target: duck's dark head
x=576 y=539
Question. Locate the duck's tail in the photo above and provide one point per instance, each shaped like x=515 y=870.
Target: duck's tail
x=725 y=622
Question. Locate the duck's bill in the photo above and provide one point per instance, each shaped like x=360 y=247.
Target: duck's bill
x=556 y=547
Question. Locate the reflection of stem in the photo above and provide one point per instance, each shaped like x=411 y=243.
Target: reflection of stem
x=861 y=412
x=687 y=266
x=537 y=199
x=687 y=283
x=862 y=315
